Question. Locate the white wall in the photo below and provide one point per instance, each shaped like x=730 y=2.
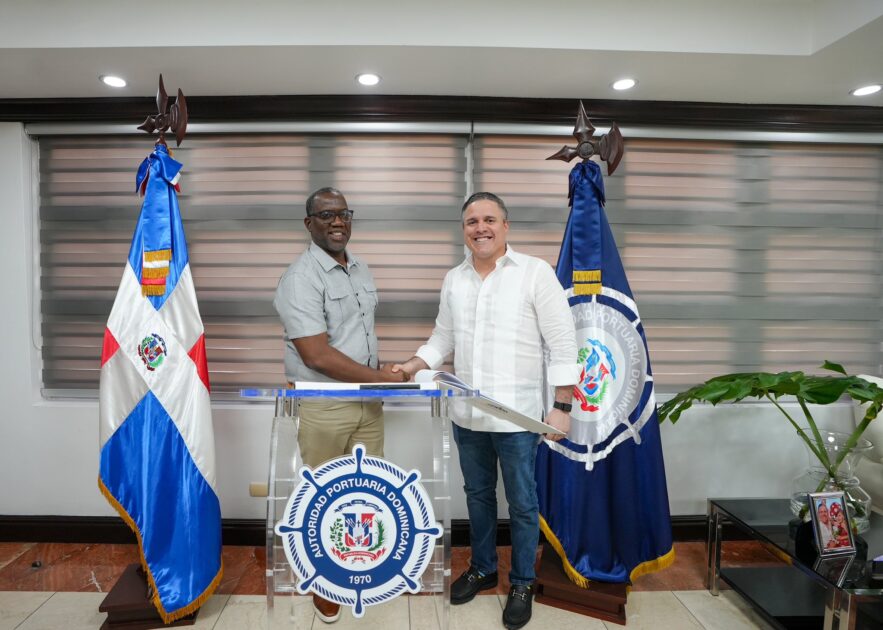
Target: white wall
x=49 y=450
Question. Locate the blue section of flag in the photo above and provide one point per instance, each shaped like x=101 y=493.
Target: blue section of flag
x=148 y=469
x=610 y=520
x=159 y=224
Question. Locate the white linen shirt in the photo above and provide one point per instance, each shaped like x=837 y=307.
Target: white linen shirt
x=496 y=328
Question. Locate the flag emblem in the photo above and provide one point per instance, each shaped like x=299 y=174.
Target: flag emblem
x=614 y=372
x=598 y=369
x=152 y=351
x=358 y=531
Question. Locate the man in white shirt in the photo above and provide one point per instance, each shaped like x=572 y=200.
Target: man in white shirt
x=497 y=311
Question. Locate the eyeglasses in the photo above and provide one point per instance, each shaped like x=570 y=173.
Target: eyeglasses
x=326 y=216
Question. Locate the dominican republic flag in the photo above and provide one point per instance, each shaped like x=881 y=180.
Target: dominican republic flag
x=157 y=460
x=602 y=492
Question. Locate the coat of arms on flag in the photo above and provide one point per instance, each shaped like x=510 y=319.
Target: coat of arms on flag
x=602 y=491
x=157 y=461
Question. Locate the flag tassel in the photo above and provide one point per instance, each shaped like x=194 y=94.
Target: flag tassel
x=167 y=617
x=650 y=566
x=572 y=574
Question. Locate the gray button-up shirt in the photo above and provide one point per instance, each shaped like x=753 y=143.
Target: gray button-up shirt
x=316 y=294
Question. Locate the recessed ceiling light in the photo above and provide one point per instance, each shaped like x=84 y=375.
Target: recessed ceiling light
x=866 y=89
x=368 y=78
x=112 y=81
x=624 y=84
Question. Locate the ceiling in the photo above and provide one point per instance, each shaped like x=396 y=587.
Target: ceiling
x=738 y=51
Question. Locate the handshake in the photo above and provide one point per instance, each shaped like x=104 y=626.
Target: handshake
x=401 y=372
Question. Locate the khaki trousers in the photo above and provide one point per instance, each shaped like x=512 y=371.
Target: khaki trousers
x=329 y=429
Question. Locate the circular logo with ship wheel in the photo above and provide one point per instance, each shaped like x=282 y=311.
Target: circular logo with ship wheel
x=358 y=530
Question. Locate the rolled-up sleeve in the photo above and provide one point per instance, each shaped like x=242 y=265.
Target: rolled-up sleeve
x=556 y=326
x=441 y=343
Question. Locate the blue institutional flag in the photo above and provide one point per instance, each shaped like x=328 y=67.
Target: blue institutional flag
x=157 y=449
x=602 y=491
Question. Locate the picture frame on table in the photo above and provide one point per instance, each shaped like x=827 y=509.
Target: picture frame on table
x=830 y=523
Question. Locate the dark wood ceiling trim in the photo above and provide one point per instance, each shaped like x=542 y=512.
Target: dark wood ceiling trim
x=454 y=109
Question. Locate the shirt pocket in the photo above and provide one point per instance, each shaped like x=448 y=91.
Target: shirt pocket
x=368 y=297
x=341 y=308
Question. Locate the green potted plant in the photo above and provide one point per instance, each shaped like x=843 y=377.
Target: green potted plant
x=835 y=455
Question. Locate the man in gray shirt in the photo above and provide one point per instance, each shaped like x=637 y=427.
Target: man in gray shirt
x=326 y=301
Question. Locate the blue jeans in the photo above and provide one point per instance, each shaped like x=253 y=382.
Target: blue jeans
x=516 y=452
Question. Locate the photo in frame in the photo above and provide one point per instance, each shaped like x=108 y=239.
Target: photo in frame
x=830 y=523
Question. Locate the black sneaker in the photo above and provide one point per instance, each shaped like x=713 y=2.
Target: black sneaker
x=467 y=585
x=518 y=606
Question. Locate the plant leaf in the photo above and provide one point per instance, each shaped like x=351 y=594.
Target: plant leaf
x=834 y=367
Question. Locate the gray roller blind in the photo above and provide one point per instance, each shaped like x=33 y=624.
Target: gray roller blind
x=242 y=201
x=741 y=256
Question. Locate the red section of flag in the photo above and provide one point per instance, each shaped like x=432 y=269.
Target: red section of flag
x=197 y=353
x=153 y=280
x=111 y=345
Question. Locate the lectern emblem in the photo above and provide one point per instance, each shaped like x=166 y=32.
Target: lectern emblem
x=358 y=530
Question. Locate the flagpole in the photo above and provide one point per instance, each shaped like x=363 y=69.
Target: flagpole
x=612 y=524
x=161 y=482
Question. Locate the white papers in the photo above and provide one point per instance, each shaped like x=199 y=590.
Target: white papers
x=486 y=404
x=437 y=376
x=338 y=386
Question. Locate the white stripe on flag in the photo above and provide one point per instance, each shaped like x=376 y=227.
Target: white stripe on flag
x=121 y=388
x=181 y=313
x=176 y=382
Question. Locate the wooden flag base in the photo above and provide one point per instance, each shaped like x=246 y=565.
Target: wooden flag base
x=128 y=607
x=601 y=600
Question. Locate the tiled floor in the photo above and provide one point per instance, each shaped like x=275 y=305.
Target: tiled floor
x=59 y=587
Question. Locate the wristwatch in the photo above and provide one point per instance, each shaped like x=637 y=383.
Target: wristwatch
x=565 y=407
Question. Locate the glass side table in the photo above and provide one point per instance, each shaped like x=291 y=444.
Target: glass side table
x=799 y=593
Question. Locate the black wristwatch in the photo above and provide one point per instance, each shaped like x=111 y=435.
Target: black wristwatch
x=565 y=407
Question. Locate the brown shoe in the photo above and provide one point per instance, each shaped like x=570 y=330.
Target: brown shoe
x=329 y=612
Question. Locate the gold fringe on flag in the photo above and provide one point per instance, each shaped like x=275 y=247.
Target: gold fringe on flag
x=167 y=617
x=160 y=254
x=593 y=275
x=153 y=289
x=154 y=272
x=586 y=288
x=572 y=574
x=582 y=581
x=660 y=563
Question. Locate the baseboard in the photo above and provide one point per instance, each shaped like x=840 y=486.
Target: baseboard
x=242 y=531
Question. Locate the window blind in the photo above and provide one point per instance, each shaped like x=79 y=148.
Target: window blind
x=242 y=202
x=742 y=256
